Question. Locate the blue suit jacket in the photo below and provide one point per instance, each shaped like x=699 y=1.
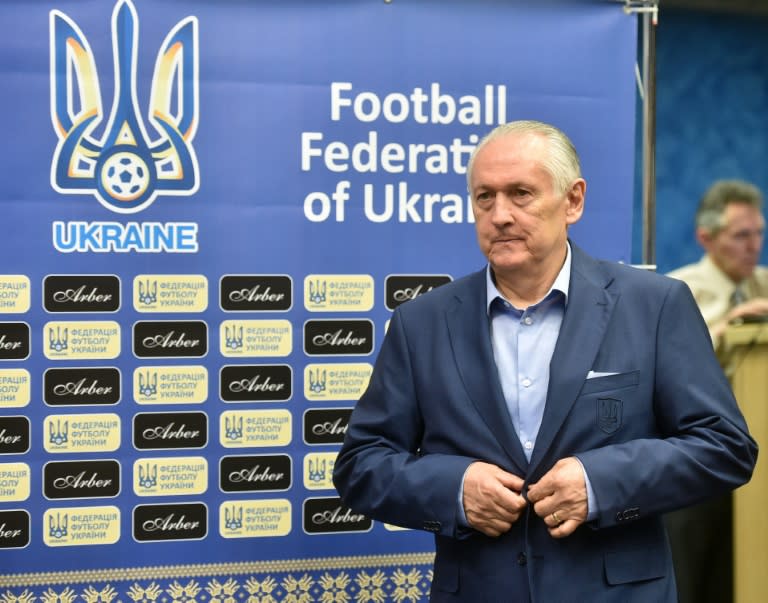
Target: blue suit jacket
x=662 y=433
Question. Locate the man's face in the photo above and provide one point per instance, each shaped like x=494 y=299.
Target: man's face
x=521 y=220
x=736 y=247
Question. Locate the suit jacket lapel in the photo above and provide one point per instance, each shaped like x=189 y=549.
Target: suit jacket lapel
x=471 y=341
x=584 y=323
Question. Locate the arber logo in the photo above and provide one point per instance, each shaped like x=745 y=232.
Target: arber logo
x=124 y=169
x=162 y=339
x=14 y=340
x=266 y=473
x=187 y=521
x=14 y=529
x=400 y=288
x=81 y=386
x=326 y=425
x=256 y=293
x=331 y=516
x=338 y=337
x=81 y=293
x=162 y=431
x=14 y=435
x=255 y=382
x=81 y=479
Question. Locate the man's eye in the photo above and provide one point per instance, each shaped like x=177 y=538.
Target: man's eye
x=744 y=235
x=521 y=195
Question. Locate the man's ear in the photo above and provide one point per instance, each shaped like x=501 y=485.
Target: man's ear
x=575 y=197
x=704 y=237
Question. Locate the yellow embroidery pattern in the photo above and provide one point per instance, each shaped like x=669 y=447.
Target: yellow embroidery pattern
x=404 y=578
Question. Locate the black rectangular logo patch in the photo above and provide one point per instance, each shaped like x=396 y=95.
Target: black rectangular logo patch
x=330 y=515
x=256 y=293
x=171 y=339
x=170 y=522
x=14 y=529
x=400 y=288
x=338 y=337
x=171 y=430
x=326 y=425
x=81 y=386
x=14 y=435
x=263 y=473
x=255 y=382
x=81 y=479
x=609 y=411
x=81 y=293
x=14 y=340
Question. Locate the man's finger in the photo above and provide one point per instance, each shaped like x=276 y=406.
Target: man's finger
x=564 y=529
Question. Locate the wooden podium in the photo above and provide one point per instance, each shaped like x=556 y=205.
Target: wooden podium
x=746 y=347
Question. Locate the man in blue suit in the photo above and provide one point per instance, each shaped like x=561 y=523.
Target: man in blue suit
x=540 y=416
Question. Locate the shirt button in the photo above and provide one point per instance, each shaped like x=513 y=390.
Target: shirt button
x=528 y=445
x=528 y=320
x=527 y=382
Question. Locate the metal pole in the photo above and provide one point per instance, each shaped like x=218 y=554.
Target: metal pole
x=650 y=20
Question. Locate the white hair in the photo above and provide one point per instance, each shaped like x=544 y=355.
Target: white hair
x=562 y=161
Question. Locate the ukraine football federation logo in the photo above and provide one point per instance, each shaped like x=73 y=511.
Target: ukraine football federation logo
x=124 y=169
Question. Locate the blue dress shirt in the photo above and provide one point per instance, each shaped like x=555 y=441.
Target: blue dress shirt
x=523 y=342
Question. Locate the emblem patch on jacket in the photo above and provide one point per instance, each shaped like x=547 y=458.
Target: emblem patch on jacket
x=609 y=414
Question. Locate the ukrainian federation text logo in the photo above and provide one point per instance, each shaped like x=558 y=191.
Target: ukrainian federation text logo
x=124 y=169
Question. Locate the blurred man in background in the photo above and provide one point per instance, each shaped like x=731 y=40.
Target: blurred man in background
x=727 y=283
x=729 y=287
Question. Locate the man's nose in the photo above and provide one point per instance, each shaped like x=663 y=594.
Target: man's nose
x=755 y=242
x=502 y=212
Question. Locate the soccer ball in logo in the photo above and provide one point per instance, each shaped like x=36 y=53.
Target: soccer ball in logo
x=125 y=176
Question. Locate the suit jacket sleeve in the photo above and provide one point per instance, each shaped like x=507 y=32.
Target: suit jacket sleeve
x=703 y=448
x=379 y=471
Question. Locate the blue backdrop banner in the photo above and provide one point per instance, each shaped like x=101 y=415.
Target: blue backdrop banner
x=211 y=209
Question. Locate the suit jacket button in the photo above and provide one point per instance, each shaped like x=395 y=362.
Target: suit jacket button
x=522 y=559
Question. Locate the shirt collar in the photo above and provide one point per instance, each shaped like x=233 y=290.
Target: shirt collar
x=561 y=284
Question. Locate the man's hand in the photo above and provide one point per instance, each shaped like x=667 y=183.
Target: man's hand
x=757 y=306
x=492 y=500
x=560 y=497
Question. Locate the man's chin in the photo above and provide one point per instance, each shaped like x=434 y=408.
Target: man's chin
x=508 y=262
x=748 y=271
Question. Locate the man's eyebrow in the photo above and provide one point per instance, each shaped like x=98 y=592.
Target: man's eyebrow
x=745 y=231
